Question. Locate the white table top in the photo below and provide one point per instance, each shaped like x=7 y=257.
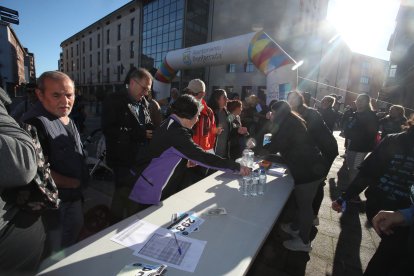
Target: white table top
x=229 y=251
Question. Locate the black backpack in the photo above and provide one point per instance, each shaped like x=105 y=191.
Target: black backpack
x=41 y=193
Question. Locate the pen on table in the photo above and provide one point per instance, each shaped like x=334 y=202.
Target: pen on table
x=180 y=218
x=178 y=245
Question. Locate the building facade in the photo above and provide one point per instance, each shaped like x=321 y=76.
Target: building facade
x=399 y=85
x=98 y=57
x=12 y=61
x=293 y=24
x=138 y=34
x=141 y=33
x=366 y=76
x=29 y=67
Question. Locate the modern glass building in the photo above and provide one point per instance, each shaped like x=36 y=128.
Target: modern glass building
x=169 y=25
x=140 y=34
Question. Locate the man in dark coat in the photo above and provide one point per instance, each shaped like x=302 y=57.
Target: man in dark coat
x=127 y=127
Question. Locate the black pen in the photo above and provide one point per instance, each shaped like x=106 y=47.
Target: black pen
x=179 y=219
x=178 y=245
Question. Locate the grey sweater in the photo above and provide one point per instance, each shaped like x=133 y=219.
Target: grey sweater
x=17 y=158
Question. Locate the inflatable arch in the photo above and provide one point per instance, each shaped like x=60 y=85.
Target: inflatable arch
x=280 y=69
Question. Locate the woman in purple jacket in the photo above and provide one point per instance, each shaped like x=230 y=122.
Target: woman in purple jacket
x=171 y=151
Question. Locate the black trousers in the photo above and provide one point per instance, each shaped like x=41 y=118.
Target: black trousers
x=390 y=252
x=317 y=201
x=21 y=244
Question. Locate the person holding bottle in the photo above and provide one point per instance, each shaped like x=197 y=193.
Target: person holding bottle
x=292 y=140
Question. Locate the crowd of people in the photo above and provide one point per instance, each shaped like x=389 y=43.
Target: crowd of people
x=157 y=148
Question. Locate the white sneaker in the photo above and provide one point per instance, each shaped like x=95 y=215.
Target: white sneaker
x=296 y=244
x=286 y=227
x=316 y=221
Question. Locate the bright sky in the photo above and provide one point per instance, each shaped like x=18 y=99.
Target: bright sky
x=44 y=24
x=366 y=25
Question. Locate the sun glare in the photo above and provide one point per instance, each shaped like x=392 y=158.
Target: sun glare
x=365 y=25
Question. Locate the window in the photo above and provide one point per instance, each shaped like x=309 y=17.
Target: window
x=98 y=41
x=231 y=68
x=365 y=64
x=84 y=77
x=229 y=89
x=393 y=70
x=83 y=46
x=98 y=58
x=365 y=68
x=107 y=37
x=98 y=74
x=118 y=50
x=119 y=31
x=67 y=53
x=83 y=63
x=90 y=44
x=108 y=77
x=90 y=60
x=118 y=73
x=67 y=67
x=77 y=64
x=71 y=52
x=108 y=55
x=77 y=49
x=249 y=67
x=364 y=80
x=132 y=26
x=246 y=92
x=131 y=49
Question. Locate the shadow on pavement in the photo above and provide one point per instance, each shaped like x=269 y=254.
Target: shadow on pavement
x=347 y=259
x=274 y=258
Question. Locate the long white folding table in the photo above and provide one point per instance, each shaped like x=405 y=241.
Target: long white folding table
x=233 y=240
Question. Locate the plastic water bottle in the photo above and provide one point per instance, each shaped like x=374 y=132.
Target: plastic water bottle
x=250 y=158
x=255 y=183
x=245 y=157
x=262 y=181
x=245 y=185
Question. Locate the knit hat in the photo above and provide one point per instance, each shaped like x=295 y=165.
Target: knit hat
x=196 y=86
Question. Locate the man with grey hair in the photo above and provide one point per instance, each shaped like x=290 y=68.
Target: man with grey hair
x=62 y=148
x=127 y=126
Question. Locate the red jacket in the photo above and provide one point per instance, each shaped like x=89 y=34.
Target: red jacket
x=204 y=130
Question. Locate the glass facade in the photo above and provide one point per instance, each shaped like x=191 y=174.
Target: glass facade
x=173 y=24
x=196 y=22
x=162 y=30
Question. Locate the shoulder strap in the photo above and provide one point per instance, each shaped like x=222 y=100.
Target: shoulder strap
x=43 y=179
